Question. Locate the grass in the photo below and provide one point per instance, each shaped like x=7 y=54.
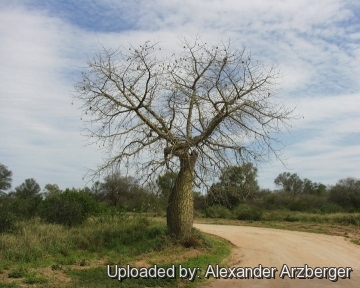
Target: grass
x=292 y=216
x=334 y=218
x=197 y=258
x=46 y=255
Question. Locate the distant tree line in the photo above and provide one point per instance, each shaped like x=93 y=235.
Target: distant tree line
x=236 y=194
x=237 y=190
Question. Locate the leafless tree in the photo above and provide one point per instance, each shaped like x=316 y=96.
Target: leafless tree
x=196 y=112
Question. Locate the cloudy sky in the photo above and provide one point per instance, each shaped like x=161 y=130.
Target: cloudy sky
x=45 y=44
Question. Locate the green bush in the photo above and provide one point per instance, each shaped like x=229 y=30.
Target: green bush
x=247 y=212
x=69 y=208
x=26 y=208
x=298 y=204
x=218 y=211
x=330 y=208
x=7 y=220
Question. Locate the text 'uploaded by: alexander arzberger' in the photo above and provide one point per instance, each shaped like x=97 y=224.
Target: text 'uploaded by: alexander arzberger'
x=218 y=272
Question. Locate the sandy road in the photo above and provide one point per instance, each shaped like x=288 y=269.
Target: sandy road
x=273 y=248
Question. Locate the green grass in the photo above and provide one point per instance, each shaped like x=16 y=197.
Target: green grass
x=292 y=216
x=48 y=255
x=35 y=278
x=214 y=250
x=18 y=272
x=9 y=285
x=355 y=241
x=333 y=218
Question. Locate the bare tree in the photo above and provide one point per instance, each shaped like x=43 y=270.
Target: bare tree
x=195 y=112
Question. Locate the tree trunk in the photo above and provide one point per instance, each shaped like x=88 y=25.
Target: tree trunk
x=180 y=210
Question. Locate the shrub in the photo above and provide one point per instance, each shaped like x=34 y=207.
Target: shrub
x=26 y=208
x=330 y=208
x=298 y=204
x=247 y=212
x=18 y=273
x=7 y=221
x=218 y=211
x=69 y=208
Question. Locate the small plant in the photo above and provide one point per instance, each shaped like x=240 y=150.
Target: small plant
x=83 y=262
x=355 y=241
x=56 y=267
x=191 y=242
x=69 y=260
x=18 y=273
x=35 y=278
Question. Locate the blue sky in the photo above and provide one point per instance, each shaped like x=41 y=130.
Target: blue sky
x=44 y=45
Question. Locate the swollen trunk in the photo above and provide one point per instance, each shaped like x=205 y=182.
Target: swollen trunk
x=180 y=210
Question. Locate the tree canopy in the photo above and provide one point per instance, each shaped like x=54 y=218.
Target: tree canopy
x=5 y=178
x=290 y=183
x=236 y=185
x=29 y=188
x=202 y=109
x=346 y=193
x=214 y=100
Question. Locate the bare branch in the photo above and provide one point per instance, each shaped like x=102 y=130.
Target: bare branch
x=147 y=110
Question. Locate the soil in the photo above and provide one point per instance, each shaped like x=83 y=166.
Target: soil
x=274 y=248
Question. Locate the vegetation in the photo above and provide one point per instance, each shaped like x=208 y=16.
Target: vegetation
x=52 y=255
x=65 y=238
x=236 y=195
x=70 y=208
x=236 y=185
x=295 y=194
x=5 y=178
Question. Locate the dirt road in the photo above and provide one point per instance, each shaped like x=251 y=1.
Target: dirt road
x=273 y=248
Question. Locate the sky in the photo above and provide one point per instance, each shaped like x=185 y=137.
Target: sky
x=45 y=46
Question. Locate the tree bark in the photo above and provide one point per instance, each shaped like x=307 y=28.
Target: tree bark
x=180 y=210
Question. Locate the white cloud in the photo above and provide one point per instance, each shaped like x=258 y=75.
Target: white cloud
x=315 y=44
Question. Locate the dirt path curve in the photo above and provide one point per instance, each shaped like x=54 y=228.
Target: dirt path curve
x=273 y=248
